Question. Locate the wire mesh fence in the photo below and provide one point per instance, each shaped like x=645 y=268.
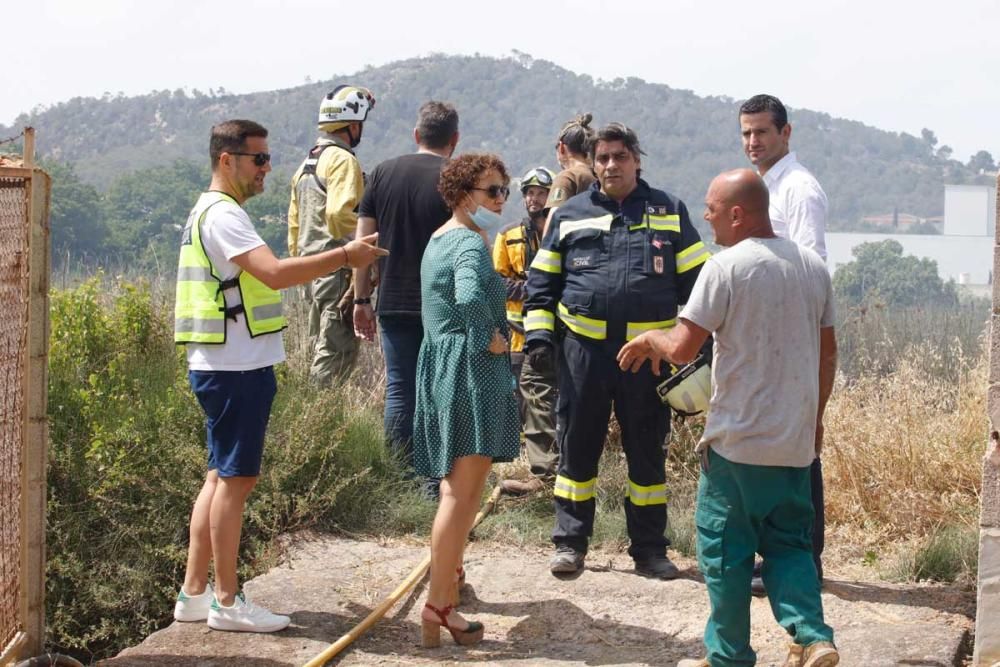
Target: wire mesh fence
x=15 y=229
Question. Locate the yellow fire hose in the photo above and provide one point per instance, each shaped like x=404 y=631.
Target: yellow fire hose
x=416 y=575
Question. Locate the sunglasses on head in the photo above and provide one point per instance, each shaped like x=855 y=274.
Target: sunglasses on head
x=495 y=191
x=259 y=159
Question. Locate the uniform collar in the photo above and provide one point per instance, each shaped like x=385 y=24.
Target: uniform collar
x=775 y=173
x=641 y=192
x=327 y=139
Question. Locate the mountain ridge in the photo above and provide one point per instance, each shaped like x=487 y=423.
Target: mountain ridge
x=513 y=106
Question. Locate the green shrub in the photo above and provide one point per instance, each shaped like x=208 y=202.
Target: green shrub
x=949 y=554
x=127 y=459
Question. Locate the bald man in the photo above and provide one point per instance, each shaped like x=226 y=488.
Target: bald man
x=769 y=304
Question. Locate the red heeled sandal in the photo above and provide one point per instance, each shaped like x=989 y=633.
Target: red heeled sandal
x=431 y=630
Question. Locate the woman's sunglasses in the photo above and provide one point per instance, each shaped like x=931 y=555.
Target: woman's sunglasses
x=495 y=191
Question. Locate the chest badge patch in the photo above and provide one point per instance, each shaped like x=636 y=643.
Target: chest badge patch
x=581 y=261
x=658 y=264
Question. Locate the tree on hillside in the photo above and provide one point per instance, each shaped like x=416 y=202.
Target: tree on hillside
x=76 y=215
x=982 y=161
x=147 y=210
x=269 y=212
x=929 y=138
x=881 y=271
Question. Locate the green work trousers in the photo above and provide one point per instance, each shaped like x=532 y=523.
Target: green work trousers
x=537 y=392
x=331 y=329
x=743 y=509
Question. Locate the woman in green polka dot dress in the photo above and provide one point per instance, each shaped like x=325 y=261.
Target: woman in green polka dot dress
x=466 y=414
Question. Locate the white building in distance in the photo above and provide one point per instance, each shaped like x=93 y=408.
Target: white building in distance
x=964 y=252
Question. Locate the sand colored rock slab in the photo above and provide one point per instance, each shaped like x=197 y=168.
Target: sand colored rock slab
x=606 y=616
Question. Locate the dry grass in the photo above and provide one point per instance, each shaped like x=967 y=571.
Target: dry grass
x=903 y=453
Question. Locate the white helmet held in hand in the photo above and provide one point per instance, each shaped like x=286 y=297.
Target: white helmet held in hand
x=689 y=388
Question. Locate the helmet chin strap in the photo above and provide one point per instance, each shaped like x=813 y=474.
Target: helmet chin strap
x=357 y=140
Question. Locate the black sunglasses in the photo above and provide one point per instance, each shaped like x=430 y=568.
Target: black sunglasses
x=259 y=159
x=495 y=191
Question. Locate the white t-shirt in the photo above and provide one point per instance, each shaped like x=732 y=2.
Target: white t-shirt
x=765 y=300
x=797 y=204
x=226 y=232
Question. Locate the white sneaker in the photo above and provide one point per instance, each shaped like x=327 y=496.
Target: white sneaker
x=244 y=616
x=189 y=608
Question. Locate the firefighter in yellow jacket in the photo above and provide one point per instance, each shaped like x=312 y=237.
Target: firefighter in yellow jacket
x=322 y=215
x=513 y=251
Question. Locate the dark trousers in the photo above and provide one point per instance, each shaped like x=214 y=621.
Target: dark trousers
x=400 y=336
x=537 y=393
x=590 y=384
x=516 y=364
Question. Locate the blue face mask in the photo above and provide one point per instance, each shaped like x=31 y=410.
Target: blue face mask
x=486 y=220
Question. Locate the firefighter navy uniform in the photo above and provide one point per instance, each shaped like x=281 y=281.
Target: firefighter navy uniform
x=606 y=273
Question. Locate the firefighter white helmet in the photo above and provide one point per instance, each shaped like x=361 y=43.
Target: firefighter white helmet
x=343 y=105
x=689 y=388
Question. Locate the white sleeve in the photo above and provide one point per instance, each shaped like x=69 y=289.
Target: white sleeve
x=709 y=301
x=827 y=318
x=228 y=232
x=806 y=211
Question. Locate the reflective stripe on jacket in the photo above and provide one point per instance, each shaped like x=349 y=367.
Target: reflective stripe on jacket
x=610 y=272
x=513 y=250
x=200 y=312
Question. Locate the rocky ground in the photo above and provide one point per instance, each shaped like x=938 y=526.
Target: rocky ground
x=606 y=616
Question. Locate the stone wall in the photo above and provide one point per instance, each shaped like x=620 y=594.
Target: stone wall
x=987 y=652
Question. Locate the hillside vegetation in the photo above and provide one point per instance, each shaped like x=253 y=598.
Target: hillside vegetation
x=513 y=106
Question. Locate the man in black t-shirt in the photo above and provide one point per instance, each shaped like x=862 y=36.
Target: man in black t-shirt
x=402 y=203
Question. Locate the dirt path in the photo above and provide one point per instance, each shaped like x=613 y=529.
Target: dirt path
x=606 y=616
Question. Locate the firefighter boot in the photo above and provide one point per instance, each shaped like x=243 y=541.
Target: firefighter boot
x=657 y=567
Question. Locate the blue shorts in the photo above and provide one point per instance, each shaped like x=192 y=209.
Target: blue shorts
x=237 y=405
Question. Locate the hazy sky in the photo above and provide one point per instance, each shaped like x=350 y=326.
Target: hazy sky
x=895 y=65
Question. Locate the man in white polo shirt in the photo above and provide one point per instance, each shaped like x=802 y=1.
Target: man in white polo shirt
x=228 y=315
x=797 y=209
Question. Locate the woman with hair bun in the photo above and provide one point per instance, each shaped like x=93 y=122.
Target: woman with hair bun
x=573 y=154
x=466 y=415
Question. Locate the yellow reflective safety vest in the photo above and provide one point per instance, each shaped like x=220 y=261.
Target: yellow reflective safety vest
x=513 y=251
x=200 y=311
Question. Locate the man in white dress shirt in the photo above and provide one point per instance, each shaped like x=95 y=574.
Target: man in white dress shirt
x=797 y=209
x=798 y=204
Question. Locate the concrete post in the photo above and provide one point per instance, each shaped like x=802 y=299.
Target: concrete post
x=987 y=651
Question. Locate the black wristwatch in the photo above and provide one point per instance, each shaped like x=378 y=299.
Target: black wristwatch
x=362 y=302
